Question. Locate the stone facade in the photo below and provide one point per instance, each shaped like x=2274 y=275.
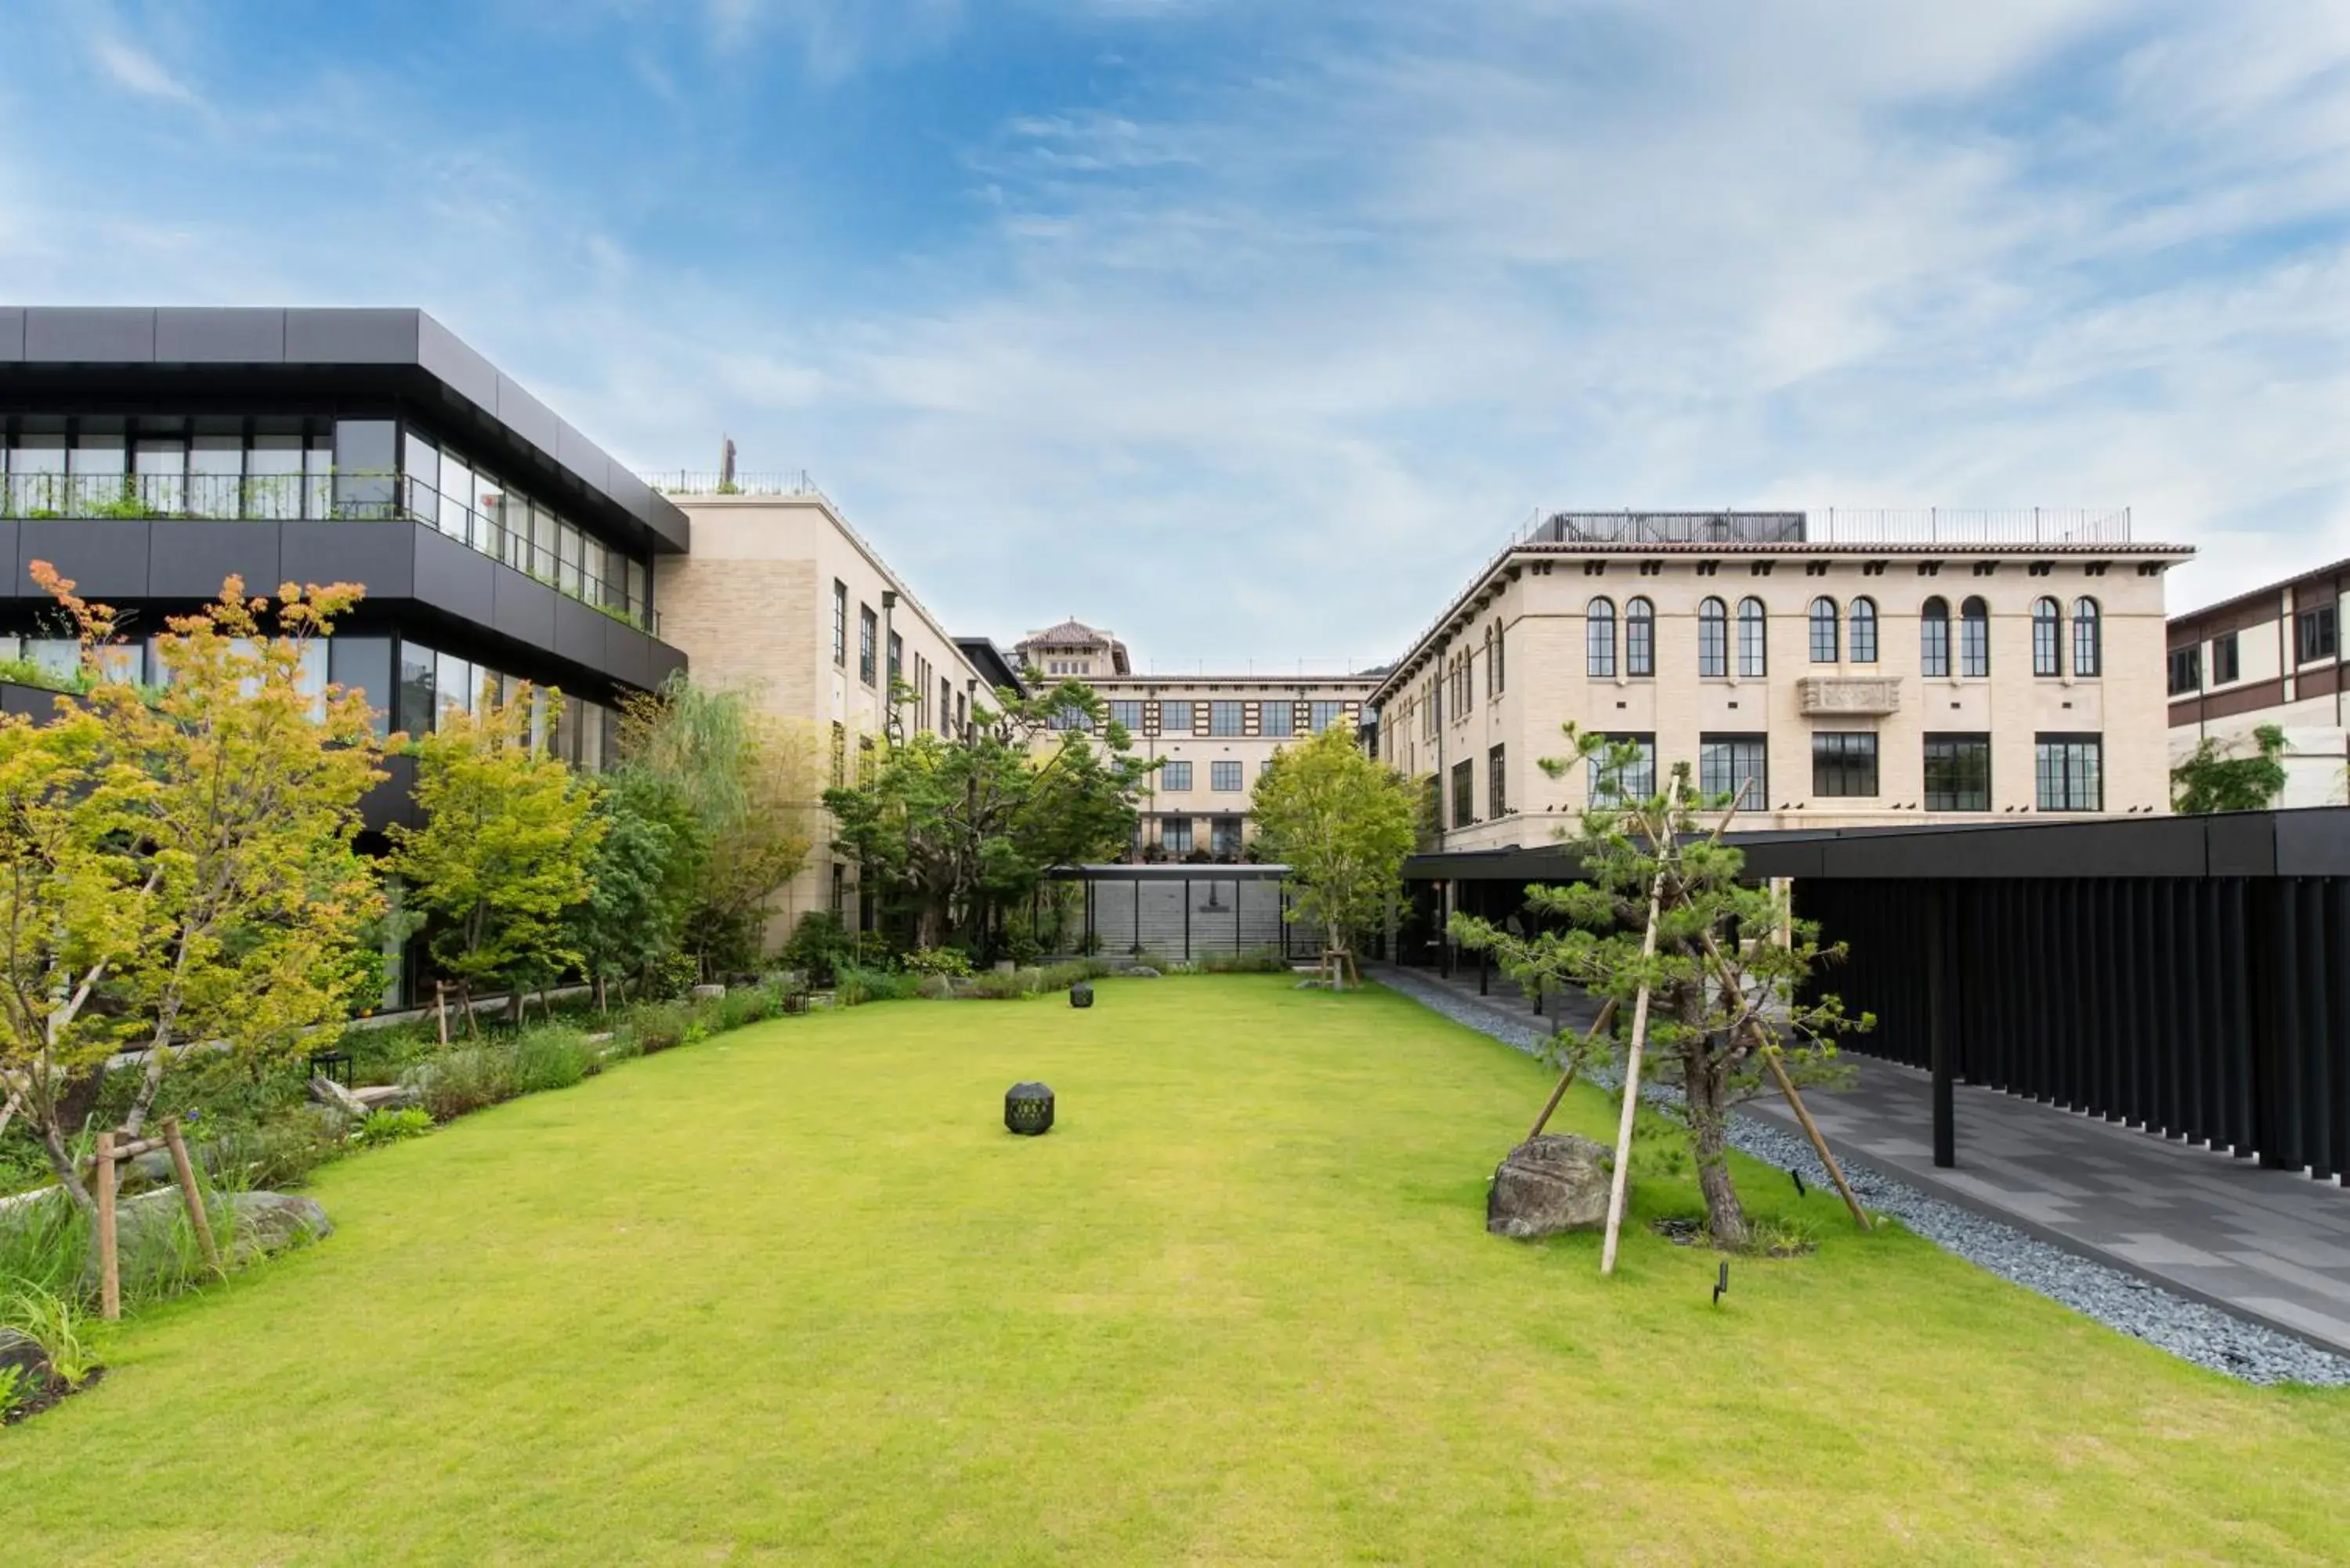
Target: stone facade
x=1726 y=668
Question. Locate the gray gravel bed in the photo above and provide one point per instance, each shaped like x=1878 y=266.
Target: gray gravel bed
x=2187 y=1329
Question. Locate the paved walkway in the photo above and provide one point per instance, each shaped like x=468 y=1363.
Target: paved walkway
x=2270 y=1245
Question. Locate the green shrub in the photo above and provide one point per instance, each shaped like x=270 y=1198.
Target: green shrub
x=44 y=1243
x=658 y=1026
x=54 y=1321
x=854 y=987
x=1263 y=961
x=381 y=1127
x=820 y=947
x=272 y=1152
x=749 y=1004
x=951 y=962
x=1010 y=985
x=552 y=1056
x=464 y=1079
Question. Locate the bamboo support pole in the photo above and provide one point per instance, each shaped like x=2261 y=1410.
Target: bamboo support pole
x=441 y=1009
x=110 y=1266
x=185 y=1169
x=1622 y=1173
x=1607 y=1016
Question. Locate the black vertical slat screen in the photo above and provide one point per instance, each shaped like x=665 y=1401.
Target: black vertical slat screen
x=2215 y=1009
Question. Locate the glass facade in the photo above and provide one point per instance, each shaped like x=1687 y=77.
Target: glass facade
x=290 y=468
x=1958 y=772
x=1844 y=765
x=1727 y=763
x=2069 y=773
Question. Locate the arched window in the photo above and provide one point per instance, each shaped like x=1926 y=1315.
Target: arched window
x=1640 y=638
x=1713 y=638
x=2088 y=639
x=1974 y=637
x=1862 y=644
x=2047 y=639
x=1599 y=639
x=1751 y=640
x=1934 y=638
x=1824 y=631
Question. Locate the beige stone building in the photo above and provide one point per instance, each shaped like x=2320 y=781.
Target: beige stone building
x=1869 y=670
x=2273 y=656
x=782 y=594
x=1213 y=734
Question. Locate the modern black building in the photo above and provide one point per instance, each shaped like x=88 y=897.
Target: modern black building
x=149 y=454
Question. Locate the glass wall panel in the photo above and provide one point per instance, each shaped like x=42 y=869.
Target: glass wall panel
x=159 y=459
x=416 y=668
x=272 y=467
x=36 y=467
x=318 y=474
x=455 y=679
x=363 y=664
x=420 y=469
x=217 y=468
x=366 y=466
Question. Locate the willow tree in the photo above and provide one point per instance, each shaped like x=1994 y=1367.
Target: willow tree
x=185 y=872
x=1732 y=1009
x=1343 y=822
x=748 y=782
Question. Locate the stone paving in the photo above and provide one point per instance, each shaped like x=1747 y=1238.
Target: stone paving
x=2270 y=1245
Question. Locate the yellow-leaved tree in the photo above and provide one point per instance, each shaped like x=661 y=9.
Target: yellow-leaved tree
x=189 y=861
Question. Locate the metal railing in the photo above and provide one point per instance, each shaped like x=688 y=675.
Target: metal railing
x=1973 y=526
x=692 y=482
x=363 y=495
x=1671 y=528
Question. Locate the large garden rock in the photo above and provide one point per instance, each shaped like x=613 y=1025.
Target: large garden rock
x=245 y=1224
x=1550 y=1185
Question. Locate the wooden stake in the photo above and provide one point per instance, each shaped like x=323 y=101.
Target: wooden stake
x=8 y=1111
x=1811 y=1129
x=441 y=1009
x=185 y=1170
x=1607 y=1016
x=110 y=1266
x=1623 y=1172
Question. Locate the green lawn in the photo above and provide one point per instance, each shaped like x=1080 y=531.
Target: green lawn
x=792 y=1294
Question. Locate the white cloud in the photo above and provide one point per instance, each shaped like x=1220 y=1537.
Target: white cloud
x=134 y=69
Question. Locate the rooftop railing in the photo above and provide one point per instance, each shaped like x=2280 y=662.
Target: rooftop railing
x=689 y=481
x=1837 y=525
x=340 y=496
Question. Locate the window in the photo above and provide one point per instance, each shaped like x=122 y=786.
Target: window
x=1176 y=776
x=2315 y=633
x=1753 y=637
x=363 y=664
x=1175 y=835
x=417 y=664
x=962 y=722
x=896 y=658
x=1175 y=718
x=1320 y=715
x=1126 y=713
x=1224 y=837
x=1727 y=763
x=2225 y=664
x=1277 y=718
x=1844 y=765
x=1614 y=782
x=1713 y=638
x=1497 y=788
x=2186 y=670
x=1974 y=639
x=1227 y=718
x=1825 y=627
x=454 y=682
x=1599 y=639
x=2047 y=639
x=2070 y=772
x=1224 y=777
x=1958 y=772
x=840 y=624
x=868 y=631
x=1640 y=639
x=1464 y=672
x=1071 y=717
x=839 y=756
x=1496 y=676
x=1464 y=786
x=1934 y=638
x=1862 y=642
x=2088 y=637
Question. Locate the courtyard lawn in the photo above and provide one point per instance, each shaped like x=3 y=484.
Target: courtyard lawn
x=792 y=1294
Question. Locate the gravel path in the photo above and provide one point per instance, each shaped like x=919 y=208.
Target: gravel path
x=2185 y=1328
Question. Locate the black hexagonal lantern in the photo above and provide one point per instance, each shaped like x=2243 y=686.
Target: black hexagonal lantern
x=1028 y=1109
x=1082 y=993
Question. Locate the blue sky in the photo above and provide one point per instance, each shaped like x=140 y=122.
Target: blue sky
x=1248 y=329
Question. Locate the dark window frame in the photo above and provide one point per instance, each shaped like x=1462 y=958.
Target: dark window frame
x=1842 y=761
x=1963 y=759
x=2075 y=765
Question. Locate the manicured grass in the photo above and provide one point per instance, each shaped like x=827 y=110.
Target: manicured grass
x=792 y=1294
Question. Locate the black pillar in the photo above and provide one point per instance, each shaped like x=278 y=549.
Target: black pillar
x=1937 y=1026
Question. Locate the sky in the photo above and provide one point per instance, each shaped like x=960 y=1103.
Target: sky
x=1250 y=331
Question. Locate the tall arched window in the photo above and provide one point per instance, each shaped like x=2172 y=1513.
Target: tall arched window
x=1713 y=638
x=1824 y=631
x=2047 y=639
x=1974 y=637
x=1751 y=638
x=1862 y=644
x=1599 y=639
x=2088 y=637
x=1640 y=638
x=1934 y=638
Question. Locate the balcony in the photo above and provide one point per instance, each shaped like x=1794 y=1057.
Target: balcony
x=124 y=542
